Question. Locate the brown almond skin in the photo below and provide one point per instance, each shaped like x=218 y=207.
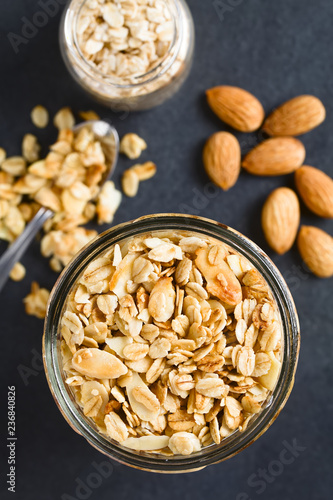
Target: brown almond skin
x=316 y=190
x=280 y=219
x=295 y=117
x=275 y=156
x=316 y=249
x=236 y=107
x=222 y=159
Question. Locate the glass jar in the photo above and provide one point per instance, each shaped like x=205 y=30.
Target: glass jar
x=213 y=453
x=149 y=89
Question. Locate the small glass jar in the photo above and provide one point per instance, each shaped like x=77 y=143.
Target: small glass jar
x=213 y=453
x=147 y=90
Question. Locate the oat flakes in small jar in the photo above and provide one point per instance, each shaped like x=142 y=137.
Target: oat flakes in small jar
x=171 y=343
x=128 y=54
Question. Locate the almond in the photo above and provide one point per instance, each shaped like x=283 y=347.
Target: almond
x=236 y=107
x=275 y=156
x=316 y=249
x=295 y=117
x=222 y=159
x=316 y=190
x=280 y=219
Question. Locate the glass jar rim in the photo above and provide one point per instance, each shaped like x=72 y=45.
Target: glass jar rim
x=238 y=440
x=84 y=65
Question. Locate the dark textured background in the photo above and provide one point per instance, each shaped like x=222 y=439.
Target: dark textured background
x=276 y=50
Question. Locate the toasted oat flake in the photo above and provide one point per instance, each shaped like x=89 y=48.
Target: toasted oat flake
x=64 y=119
x=145 y=171
x=130 y=183
x=39 y=116
x=30 y=148
x=88 y=115
x=36 y=301
x=132 y=146
x=3 y=155
x=17 y=272
x=14 y=165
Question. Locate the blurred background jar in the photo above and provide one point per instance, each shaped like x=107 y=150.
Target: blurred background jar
x=104 y=54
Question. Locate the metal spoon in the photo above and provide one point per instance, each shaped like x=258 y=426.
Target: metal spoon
x=108 y=137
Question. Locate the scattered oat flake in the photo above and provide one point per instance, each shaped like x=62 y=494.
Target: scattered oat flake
x=17 y=272
x=64 y=119
x=36 y=301
x=132 y=146
x=89 y=115
x=39 y=116
x=130 y=183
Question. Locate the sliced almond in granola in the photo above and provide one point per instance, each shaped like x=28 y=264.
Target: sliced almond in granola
x=98 y=364
x=140 y=409
x=221 y=281
x=146 y=443
x=122 y=275
x=144 y=396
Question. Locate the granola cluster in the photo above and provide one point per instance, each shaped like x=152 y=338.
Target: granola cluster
x=67 y=181
x=125 y=38
x=171 y=342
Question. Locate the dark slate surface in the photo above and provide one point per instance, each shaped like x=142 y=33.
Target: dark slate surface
x=276 y=50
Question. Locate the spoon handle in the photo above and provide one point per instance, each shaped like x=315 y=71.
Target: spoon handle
x=15 y=251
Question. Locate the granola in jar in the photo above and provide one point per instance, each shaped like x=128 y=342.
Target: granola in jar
x=171 y=342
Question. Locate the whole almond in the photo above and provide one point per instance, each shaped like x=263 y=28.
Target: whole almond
x=275 y=156
x=280 y=219
x=295 y=117
x=222 y=159
x=236 y=107
x=316 y=249
x=316 y=190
